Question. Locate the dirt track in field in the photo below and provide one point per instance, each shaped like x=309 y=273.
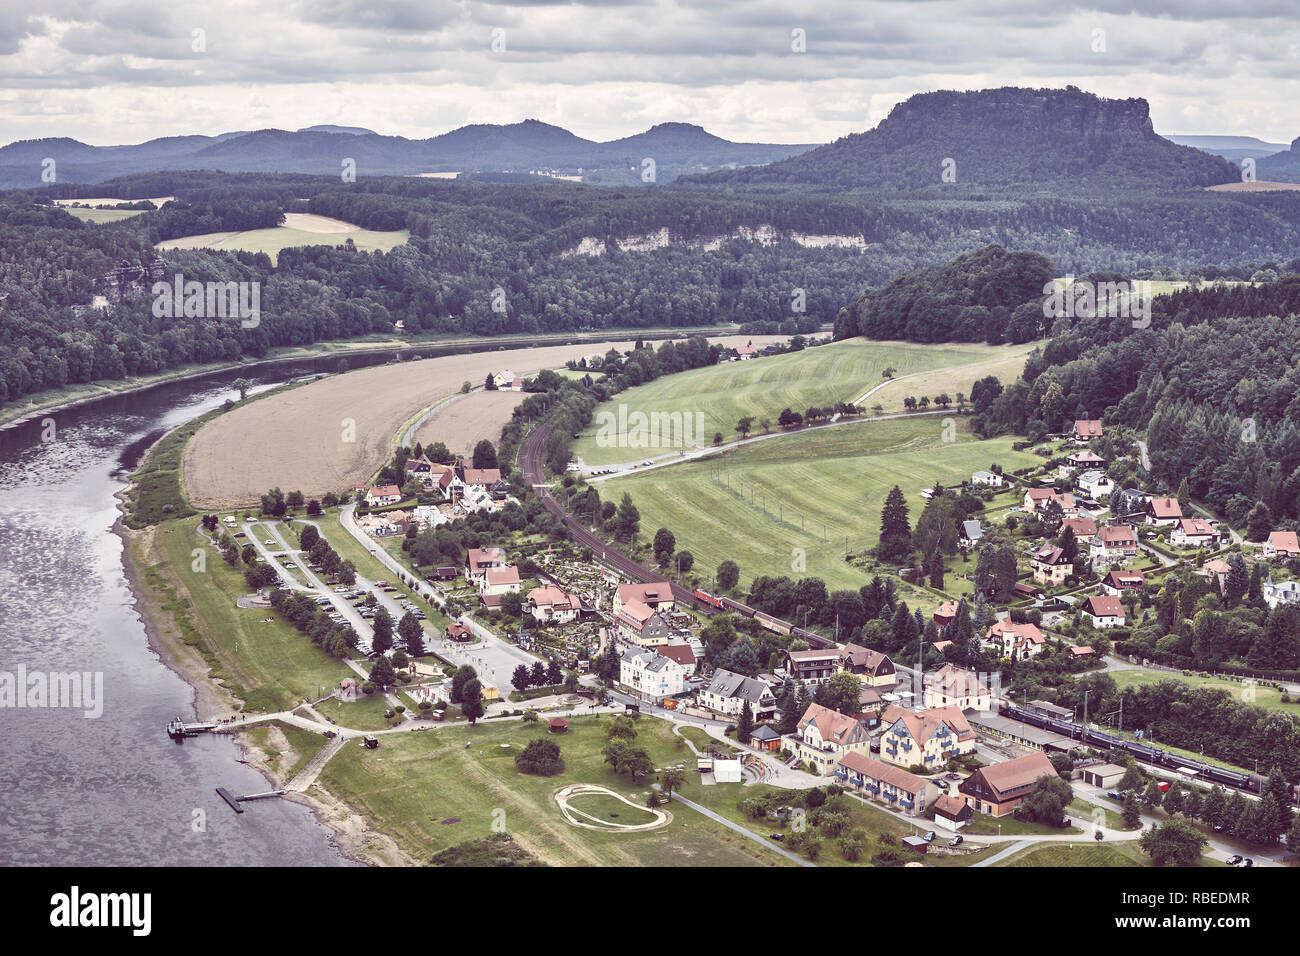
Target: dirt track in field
x=335 y=434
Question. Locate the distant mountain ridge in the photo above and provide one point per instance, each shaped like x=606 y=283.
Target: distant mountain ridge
x=522 y=147
x=1283 y=167
x=997 y=139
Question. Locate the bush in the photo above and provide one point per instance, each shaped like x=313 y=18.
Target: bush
x=368 y=687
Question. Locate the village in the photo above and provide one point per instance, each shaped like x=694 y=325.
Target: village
x=553 y=630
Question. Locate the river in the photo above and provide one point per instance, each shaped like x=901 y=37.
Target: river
x=114 y=790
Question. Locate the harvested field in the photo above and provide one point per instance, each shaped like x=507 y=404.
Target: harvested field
x=1254 y=186
x=336 y=433
x=299 y=229
x=461 y=424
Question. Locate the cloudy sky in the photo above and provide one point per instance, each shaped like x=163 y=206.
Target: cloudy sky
x=123 y=71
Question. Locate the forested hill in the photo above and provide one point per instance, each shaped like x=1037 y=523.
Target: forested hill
x=1213 y=382
x=1283 y=167
x=569 y=257
x=988 y=295
x=992 y=141
x=519 y=148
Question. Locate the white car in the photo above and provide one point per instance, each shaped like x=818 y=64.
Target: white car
x=269 y=543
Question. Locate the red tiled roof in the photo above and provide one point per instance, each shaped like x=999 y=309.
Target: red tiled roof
x=1165 y=508
x=1088 y=428
x=1104 y=605
x=681 y=653
x=885 y=773
x=1284 y=541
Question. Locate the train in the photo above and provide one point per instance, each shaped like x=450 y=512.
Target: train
x=1250 y=782
x=772 y=623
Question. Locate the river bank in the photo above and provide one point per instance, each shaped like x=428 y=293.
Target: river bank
x=33 y=406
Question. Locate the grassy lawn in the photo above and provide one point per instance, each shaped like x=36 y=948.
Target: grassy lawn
x=1084 y=811
x=986 y=825
x=1269 y=697
x=761 y=504
x=875 y=820
x=610 y=809
x=1003 y=362
x=271 y=665
x=761 y=388
x=366 y=713
x=414 y=782
x=1084 y=853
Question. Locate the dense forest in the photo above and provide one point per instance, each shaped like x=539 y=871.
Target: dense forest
x=698 y=263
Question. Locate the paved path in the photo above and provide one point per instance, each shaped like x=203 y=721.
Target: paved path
x=1012 y=850
x=705 y=811
x=494 y=659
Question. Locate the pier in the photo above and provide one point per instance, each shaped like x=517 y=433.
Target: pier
x=178 y=729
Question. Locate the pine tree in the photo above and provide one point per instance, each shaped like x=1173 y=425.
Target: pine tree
x=934 y=567
x=895 y=529
x=1184 y=497
x=1293 y=836
x=745 y=726
x=1269 y=821
x=1132 y=812
x=1259 y=523
x=984 y=568
x=1214 y=807
x=1237 y=582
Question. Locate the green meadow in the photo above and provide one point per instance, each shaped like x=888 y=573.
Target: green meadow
x=807 y=497
x=761 y=388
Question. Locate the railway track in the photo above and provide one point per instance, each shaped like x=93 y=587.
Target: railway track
x=531 y=464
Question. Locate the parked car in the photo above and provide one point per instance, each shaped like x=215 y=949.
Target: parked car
x=777 y=837
x=1114 y=794
x=1234 y=859
x=1247 y=862
x=955 y=841
x=269 y=542
x=929 y=836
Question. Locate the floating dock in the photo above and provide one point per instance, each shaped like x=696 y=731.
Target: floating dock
x=179 y=729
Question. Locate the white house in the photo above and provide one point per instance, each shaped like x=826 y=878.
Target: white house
x=1193 y=533
x=1016 y=641
x=987 y=479
x=1114 y=544
x=651 y=676
x=498 y=581
x=728 y=693
x=1284 y=592
x=551 y=605
x=955 y=686
x=381 y=495
x=1281 y=544
x=1104 y=611
x=1094 y=484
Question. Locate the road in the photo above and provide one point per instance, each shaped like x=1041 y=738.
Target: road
x=717 y=818
x=494 y=658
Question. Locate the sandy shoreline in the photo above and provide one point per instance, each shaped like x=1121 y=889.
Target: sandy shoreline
x=349 y=834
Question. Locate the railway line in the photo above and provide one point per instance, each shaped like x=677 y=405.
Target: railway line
x=531 y=465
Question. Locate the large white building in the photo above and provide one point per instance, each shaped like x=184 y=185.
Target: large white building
x=651 y=676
